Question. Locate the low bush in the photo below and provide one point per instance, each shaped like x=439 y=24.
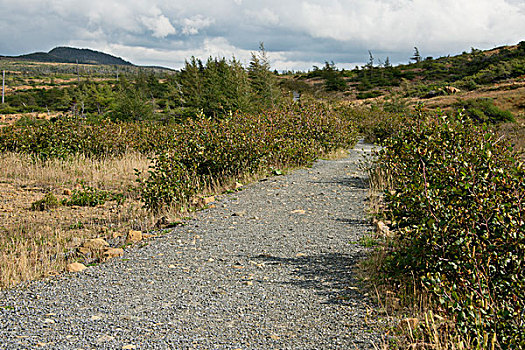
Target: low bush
x=483 y=110
x=369 y=94
x=90 y=197
x=190 y=155
x=66 y=136
x=48 y=202
x=205 y=151
x=457 y=209
x=376 y=123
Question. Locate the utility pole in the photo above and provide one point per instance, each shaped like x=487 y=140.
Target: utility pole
x=78 y=76
x=3 y=86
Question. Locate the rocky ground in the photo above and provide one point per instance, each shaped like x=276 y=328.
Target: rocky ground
x=268 y=267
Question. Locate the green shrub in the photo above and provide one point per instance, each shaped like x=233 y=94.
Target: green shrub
x=457 y=208
x=72 y=136
x=205 y=150
x=369 y=94
x=483 y=110
x=375 y=123
x=30 y=121
x=88 y=197
x=190 y=154
x=48 y=202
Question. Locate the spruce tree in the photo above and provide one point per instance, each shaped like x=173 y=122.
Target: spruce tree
x=263 y=82
x=241 y=91
x=417 y=57
x=333 y=79
x=192 y=83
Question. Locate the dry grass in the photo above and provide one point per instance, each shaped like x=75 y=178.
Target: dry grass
x=515 y=133
x=336 y=155
x=113 y=173
x=35 y=244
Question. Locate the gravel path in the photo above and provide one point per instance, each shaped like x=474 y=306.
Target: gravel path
x=270 y=267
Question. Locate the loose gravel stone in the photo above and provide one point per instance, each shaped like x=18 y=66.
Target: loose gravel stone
x=269 y=267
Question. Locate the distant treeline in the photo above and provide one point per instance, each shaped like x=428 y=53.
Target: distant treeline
x=215 y=88
x=466 y=71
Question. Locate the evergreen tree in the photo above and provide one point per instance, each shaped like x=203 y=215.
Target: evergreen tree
x=263 y=82
x=387 y=63
x=238 y=87
x=212 y=89
x=192 y=83
x=370 y=64
x=132 y=102
x=333 y=78
x=417 y=57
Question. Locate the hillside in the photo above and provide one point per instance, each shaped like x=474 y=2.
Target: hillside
x=73 y=55
x=423 y=78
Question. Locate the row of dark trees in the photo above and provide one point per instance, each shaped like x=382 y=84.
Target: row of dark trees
x=218 y=86
x=214 y=88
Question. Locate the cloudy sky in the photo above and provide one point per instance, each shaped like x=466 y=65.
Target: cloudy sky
x=297 y=33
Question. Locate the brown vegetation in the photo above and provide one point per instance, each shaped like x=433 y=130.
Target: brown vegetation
x=36 y=244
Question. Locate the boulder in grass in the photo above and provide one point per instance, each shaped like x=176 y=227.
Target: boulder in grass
x=134 y=236
x=75 y=267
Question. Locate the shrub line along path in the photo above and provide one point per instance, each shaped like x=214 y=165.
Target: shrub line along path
x=270 y=267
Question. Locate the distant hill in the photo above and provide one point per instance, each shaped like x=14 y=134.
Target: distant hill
x=424 y=78
x=72 y=55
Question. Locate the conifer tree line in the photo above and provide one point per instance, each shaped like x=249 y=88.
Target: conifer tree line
x=214 y=88
x=219 y=87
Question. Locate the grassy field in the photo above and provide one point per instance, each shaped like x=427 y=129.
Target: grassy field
x=35 y=243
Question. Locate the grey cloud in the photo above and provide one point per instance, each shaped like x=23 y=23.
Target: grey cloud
x=296 y=33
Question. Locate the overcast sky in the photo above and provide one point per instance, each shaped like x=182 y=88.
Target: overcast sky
x=297 y=34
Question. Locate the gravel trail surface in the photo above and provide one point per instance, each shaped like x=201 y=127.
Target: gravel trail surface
x=270 y=267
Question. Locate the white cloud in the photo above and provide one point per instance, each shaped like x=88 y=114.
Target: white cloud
x=388 y=24
x=264 y=16
x=192 y=26
x=160 y=26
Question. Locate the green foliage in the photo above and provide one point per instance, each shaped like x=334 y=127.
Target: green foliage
x=48 y=202
x=90 y=197
x=219 y=88
x=334 y=80
x=132 y=102
x=72 y=136
x=192 y=153
x=375 y=123
x=457 y=209
x=369 y=94
x=483 y=110
x=207 y=150
x=29 y=121
x=417 y=57
x=263 y=82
